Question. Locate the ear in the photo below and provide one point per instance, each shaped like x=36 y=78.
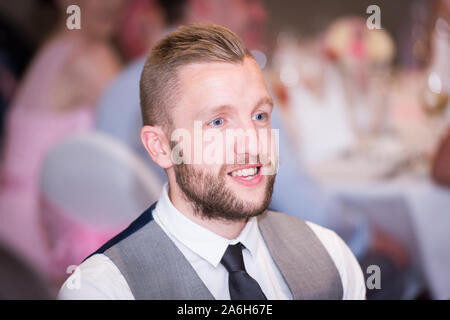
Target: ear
x=155 y=142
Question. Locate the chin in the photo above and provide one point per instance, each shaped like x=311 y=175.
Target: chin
x=253 y=195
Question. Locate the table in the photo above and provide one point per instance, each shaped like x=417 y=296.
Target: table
x=428 y=230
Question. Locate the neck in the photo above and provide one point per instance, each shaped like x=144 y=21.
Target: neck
x=226 y=229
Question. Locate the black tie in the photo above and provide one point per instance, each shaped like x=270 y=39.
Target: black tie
x=242 y=286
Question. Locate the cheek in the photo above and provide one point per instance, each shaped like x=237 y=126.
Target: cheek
x=265 y=140
x=268 y=151
x=213 y=171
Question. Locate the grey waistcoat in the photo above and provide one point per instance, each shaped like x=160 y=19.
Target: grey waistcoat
x=155 y=268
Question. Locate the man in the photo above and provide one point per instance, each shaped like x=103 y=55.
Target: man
x=210 y=235
x=295 y=192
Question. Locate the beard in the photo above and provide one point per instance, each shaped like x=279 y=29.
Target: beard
x=212 y=199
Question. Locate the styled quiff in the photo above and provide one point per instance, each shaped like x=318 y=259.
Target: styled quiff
x=185 y=45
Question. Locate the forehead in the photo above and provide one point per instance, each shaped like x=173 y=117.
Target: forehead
x=205 y=85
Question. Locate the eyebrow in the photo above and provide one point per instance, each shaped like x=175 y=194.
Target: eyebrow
x=263 y=101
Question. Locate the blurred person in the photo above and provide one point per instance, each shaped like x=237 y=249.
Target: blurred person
x=295 y=192
x=210 y=235
x=56 y=98
x=141 y=24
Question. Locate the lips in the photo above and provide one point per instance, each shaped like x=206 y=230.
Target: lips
x=248 y=175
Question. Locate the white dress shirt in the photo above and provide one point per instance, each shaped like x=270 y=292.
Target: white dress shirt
x=99 y=278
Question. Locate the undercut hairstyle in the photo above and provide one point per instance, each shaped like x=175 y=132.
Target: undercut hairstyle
x=186 y=45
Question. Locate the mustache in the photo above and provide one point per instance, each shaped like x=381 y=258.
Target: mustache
x=259 y=160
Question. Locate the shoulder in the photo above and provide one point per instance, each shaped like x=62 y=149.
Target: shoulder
x=328 y=238
x=348 y=267
x=96 y=278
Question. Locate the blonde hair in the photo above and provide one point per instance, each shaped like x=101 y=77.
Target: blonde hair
x=185 y=45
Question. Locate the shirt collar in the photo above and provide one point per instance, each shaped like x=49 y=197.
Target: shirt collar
x=207 y=244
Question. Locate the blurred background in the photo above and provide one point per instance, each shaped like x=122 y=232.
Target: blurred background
x=363 y=114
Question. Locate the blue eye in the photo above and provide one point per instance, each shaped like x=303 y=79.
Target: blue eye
x=259 y=117
x=217 y=122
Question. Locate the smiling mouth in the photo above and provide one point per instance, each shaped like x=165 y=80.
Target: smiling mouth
x=246 y=173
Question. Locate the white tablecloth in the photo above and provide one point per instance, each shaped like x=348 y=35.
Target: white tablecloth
x=429 y=212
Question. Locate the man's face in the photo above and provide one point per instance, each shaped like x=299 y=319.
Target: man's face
x=229 y=159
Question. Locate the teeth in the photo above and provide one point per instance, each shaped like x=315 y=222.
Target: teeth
x=244 y=172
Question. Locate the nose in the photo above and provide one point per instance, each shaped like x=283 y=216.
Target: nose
x=246 y=141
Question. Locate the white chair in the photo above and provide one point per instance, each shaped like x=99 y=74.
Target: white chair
x=91 y=187
x=99 y=179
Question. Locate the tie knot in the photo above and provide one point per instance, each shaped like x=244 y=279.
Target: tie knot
x=232 y=259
